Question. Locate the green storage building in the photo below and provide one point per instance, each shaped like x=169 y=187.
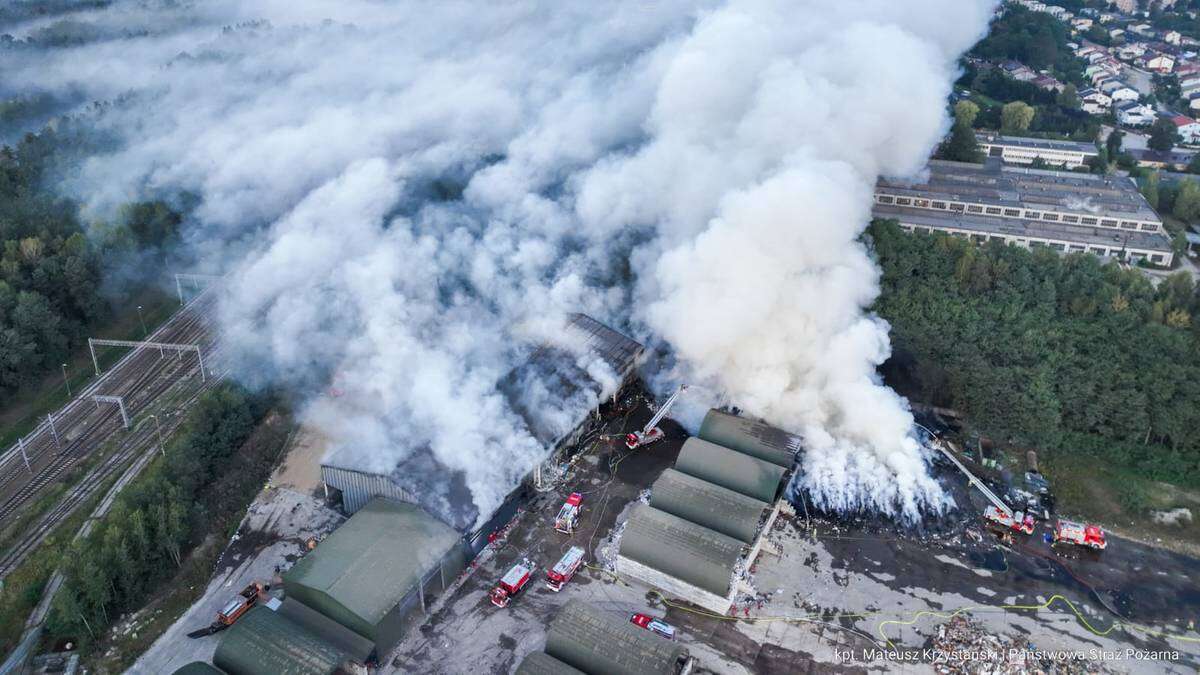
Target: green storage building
x=376 y=574
x=750 y=437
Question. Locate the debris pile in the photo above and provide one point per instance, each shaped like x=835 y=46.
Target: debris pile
x=962 y=645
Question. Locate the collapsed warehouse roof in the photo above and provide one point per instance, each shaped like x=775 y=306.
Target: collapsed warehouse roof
x=263 y=641
x=715 y=507
x=731 y=469
x=584 y=639
x=369 y=575
x=552 y=393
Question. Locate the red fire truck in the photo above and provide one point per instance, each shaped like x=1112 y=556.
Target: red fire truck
x=1017 y=522
x=568 y=515
x=564 y=569
x=513 y=582
x=1071 y=532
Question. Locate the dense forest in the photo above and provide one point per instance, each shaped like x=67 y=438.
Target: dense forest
x=1060 y=353
x=51 y=270
x=163 y=514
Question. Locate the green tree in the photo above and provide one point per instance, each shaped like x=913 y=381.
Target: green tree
x=1113 y=143
x=1015 y=117
x=1150 y=189
x=962 y=145
x=1187 y=202
x=1069 y=97
x=1163 y=135
x=965 y=112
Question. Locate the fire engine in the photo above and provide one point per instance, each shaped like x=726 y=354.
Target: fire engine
x=568 y=515
x=564 y=569
x=1017 y=522
x=513 y=582
x=1090 y=536
x=651 y=432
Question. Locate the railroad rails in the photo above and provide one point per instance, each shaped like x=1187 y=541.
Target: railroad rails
x=140 y=379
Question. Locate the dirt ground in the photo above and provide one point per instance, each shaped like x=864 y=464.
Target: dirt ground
x=300 y=469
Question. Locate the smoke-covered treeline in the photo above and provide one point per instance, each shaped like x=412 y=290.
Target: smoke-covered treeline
x=1062 y=354
x=408 y=195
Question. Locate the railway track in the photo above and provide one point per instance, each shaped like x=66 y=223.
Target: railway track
x=81 y=427
x=133 y=448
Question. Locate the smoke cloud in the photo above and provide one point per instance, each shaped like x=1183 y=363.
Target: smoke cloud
x=408 y=197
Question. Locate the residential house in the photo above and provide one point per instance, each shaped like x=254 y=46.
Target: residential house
x=1187 y=128
x=1172 y=37
x=1107 y=17
x=1159 y=63
x=1125 y=6
x=1189 y=86
x=1194 y=105
x=1048 y=83
x=1143 y=29
x=1095 y=101
x=1081 y=23
x=1131 y=50
x=1134 y=114
x=1175 y=160
x=1119 y=91
x=1018 y=71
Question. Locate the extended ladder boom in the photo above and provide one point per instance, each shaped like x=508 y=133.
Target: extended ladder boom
x=662 y=412
x=976 y=482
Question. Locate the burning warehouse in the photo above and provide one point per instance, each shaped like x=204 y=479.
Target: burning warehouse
x=555 y=393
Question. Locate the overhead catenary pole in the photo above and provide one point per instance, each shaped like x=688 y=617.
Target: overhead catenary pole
x=53 y=431
x=21 y=445
x=95 y=363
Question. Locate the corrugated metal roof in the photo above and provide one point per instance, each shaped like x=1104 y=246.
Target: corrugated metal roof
x=750 y=437
x=262 y=641
x=198 y=668
x=595 y=641
x=717 y=508
x=731 y=469
x=357 y=646
x=553 y=391
x=374 y=559
x=680 y=548
x=541 y=663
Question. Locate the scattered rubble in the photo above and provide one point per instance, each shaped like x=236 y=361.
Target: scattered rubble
x=962 y=645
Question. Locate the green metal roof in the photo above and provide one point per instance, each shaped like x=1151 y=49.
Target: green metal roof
x=595 y=641
x=198 y=668
x=715 y=507
x=750 y=437
x=262 y=641
x=682 y=549
x=541 y=663
x=730 y=469
x=339 y=636
x=367 y=566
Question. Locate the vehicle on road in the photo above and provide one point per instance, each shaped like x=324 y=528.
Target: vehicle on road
x=512 y=583
x=1018 y=521
x=564 y=569
x=1079 y=534
x=568 y=515
x=653 y=625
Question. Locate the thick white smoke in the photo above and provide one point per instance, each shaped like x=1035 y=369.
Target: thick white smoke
x=406 y=193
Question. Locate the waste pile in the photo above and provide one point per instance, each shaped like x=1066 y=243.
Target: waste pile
x=962 y=645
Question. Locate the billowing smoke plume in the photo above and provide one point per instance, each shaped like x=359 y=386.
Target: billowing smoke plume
x=407 y=195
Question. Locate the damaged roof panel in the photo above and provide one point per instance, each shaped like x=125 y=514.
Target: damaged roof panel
x=750 y=437
x=595 y=641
